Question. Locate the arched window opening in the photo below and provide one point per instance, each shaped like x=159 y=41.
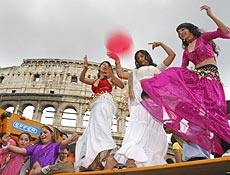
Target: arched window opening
x=69 y=117
x=114 y=126
x=48 y=115
x=127 y=122
x=86 y=118
x=28 y=112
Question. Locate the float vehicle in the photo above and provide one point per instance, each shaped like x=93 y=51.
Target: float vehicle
x=15 y=124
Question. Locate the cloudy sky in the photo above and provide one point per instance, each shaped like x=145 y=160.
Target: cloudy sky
x=72 y=28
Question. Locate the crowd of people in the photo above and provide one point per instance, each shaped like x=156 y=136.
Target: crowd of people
x=189 y=104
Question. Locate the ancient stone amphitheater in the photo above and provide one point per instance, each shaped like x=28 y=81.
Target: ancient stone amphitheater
x=52 y=88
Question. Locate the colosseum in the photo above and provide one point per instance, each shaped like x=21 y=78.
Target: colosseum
x=51 y=88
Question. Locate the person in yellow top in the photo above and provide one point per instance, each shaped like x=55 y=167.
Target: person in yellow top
x=177 y=149
x=176 y=144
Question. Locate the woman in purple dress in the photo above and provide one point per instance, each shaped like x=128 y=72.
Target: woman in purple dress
x=194 y=100
x=44 y=152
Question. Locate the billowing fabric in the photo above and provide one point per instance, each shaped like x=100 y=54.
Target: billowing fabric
x=98 y=135
x=145 y=140
x=44 y=155
x=194 y=102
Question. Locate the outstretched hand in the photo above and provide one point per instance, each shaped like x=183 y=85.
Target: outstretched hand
x=155 y=44
x=113 y=56
x=5 y=139
x=85 y=64
x=207 y=9
x=74 y=137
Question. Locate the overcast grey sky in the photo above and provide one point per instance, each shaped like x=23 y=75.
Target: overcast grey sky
x=72 y=28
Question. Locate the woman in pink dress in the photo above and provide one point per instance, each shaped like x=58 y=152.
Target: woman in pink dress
x=193 y=99
x=15 y=163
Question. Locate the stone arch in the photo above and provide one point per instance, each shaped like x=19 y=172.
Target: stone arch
x=127 y=120
x=52 y=108
x=86 y=118
x=7 y=105
x=114 y=124
x=28 y=110
x=47 y=114
x=24 y=104
x=69 y=117
x=10 y=109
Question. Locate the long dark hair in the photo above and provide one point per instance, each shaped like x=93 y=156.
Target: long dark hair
x=196 y=32
x=147 y=57
x=98 y=74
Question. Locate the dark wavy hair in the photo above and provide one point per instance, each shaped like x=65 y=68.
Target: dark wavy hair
x=196 y=32
x=98 y=74
x=147 y=57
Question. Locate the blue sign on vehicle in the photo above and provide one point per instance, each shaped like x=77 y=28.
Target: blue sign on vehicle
x=26 y=128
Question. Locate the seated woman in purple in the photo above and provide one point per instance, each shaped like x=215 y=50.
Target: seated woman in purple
x=44 y=152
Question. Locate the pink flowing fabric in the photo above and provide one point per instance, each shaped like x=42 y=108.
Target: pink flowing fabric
x=3 y=156
x=4 y=153
x=14 y=165
x=195 y=107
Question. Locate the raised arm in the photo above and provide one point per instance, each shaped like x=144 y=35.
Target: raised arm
x=69 y=140
x=171 y=54
x=12 y=148
x=83 y=72
x=121 y=74
x=115 y=80
x=218 y=22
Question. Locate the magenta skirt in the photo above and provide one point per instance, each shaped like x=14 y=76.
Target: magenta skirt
x=194 y=104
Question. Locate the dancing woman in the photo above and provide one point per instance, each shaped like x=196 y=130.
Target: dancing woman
x=193 y=99
x=145 y=142
x=96 y=144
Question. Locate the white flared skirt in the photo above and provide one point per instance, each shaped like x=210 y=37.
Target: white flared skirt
x=98 y=135
x=145 y=140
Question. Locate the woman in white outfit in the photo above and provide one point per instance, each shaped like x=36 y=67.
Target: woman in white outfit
x=96 y=143
x=145 y=143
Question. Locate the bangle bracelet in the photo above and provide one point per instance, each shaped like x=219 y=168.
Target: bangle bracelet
x=5 y=147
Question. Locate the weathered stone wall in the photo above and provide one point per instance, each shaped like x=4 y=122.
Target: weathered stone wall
x=55 y=83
